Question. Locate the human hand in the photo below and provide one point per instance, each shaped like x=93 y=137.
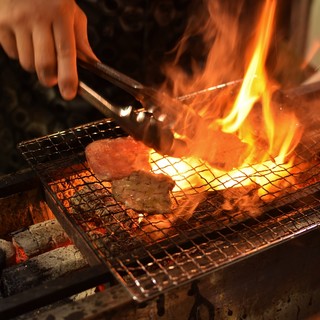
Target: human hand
x=45 y=36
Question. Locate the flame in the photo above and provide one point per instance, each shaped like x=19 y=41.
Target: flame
x=268 y=164
x=255 y=81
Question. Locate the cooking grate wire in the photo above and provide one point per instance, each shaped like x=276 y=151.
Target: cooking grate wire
x=222 y=230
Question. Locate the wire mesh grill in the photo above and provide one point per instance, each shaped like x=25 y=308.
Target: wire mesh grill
x=153 y=253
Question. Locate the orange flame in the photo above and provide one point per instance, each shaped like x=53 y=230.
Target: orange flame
x=255 y=81
x=282 y=136
x=280 y=130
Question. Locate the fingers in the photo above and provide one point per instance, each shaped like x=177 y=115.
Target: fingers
x=45 y=56
x=70 y=36
x=63 y=31
x=46 y=40
x=18 y=45
x=25 y=50
x=8 y=43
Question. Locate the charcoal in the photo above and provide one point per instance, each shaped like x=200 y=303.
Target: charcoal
x=35 y=271
x=39 y=238
x=2 y=259
x=7 y=253
x=21 y=210
x=15 y=213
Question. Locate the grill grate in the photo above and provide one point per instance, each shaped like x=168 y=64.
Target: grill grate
x=149 y=256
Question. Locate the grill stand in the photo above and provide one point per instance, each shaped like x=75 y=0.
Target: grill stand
x=280 y=283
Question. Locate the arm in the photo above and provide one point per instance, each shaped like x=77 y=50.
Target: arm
x=45 y=36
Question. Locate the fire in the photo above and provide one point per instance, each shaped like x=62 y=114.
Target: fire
x=268 y=164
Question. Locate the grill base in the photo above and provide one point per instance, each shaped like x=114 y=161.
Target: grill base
x=281 y=283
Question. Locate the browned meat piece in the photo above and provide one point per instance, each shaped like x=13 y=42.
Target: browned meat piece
x=112 y=159
x=144 y=191
x=224 y=151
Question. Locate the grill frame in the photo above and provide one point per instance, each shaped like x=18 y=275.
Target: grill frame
x=165 y=264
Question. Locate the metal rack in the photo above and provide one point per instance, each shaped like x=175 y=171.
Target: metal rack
x=146 y=265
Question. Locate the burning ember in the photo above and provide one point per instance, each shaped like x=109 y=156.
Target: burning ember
x=271 y=133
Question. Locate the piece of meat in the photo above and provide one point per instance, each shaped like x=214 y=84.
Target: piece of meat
x=144 y=191
x=223 y=151
x=111 y=159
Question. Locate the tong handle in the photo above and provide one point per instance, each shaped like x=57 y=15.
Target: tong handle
x=151 y=100
x=117 y=78
x=140 y=124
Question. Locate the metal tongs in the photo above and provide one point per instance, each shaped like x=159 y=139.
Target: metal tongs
x=155 y=124
x=163 y=123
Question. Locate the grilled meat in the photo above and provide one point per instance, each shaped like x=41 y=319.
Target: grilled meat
x=112 y=159
x=144 y=191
